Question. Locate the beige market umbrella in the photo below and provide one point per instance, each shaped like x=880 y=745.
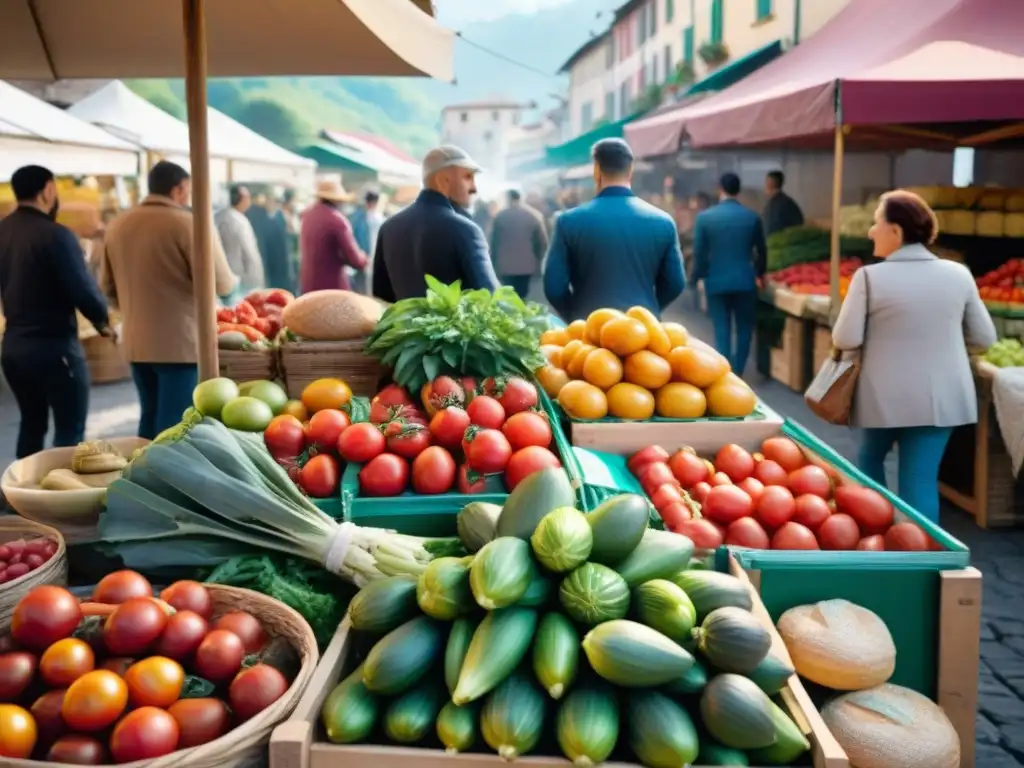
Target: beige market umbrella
x=58 y=39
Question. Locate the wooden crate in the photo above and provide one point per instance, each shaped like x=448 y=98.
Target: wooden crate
x=822 y=347
x=298 y=743
x=788 y=362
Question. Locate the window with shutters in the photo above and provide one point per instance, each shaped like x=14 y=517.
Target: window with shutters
x=670 y=11
x=652 y=10
x=640 y=19
x=716 y=21
x=688 y=44
x=764 y=9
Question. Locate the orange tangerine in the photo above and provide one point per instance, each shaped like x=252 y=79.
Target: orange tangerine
x=596 y=320
x=730 y=397
x=628 y=401
x=647 y=370
x=658 y=342
x=553 y=353
x=556 y=336
x=576 y=329
x=602 y=368
x=677 y=334
x=574 y=367
x=700 y=366
x=677 y=400
x=552 y=379
x=624 y=336
x=581 y=400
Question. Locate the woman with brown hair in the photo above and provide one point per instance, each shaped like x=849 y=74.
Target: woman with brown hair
x=913 y=316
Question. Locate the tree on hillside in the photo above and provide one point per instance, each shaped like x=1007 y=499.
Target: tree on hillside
x=169 y=104
x=274 y=121
x=224 y=95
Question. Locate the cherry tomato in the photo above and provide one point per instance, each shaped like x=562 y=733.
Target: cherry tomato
x=200 y=720
x=675 y=514
x=285 y=437
x=720 y=478
x=645 y=456
x=702 y=532
x=44 y=616
x=17 y=732
x=775 y=507
x=746 y=532
x=46 y=712
x=325 y=427
x=143 y=734
x=470 y=481
x=118 y=665
x=189 y=596
x=872 y=544
x=665 y=495
x=254 y=689
x=319 y=477
x=700 y=491
x=525 y=462
x=488 y=451
x=688 y=468
x=75 y=749
x=784 y=452
x=184 y=632
x=407 y=440
x=770 y=472
x=527 y=428
x=655 y=475
x=736 y=462
x=154 y=682
x=247 y=627
x=838 y=532
x=94 y=701
x=433 y=471
x=17 y=669
x=385 y=475
x=115 y=588
x=360 y=443
x=134 y=626
x=65 y=661
x=448 y=426
x=726 y=503
x=219 y=656
x=810 y=479
x=811 y=511
x=753 y=488
x=872 y=511
x=517 y=395
x=794 y=536
x=486 y=412
x=906 y=537
x=16 y=570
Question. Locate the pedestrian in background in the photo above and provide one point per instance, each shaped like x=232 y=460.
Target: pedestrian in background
x=289 y=216
x=275 y=249
x=781 y=211
x=43 y=280
x=518 y=243
x=239 y=241
x=366 y=223
x=326 y=241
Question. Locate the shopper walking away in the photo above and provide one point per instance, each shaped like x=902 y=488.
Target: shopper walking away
x=327 y=242
x=432 y=236
x=276 y=257
x=239 y=240
x=781 y=211
x=43 y=280
x=366 y=223
x=913 y=316
x=147 y=270
x=730 y=256
x=518 y=243
x=616 y=250
x=289 y=216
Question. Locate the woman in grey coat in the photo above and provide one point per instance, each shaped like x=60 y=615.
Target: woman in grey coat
x=913 y=316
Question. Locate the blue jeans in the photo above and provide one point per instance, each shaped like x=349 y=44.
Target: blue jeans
x=740 y=308
x=519 y=283
x=165 y=392
x=920 y=453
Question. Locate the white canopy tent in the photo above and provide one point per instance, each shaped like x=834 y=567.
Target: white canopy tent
x=34 y=132
x=390 y=169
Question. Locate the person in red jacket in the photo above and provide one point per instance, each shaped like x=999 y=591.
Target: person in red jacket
x=327 y=242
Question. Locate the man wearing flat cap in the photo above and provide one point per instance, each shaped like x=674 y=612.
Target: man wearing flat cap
x=431 y=237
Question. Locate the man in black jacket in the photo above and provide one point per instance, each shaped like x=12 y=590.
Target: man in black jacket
x=781 y=211
x=43 y=280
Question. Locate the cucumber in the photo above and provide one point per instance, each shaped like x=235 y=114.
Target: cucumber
x=659 y=555
x=709 y=590
x=501 y=573
x=712 y=753
x=403 y=656
x=477 y=524
x=232 y=340
x=790 y=743
x=618 y=524
x=733 y=640
x=594 y=593
x=456 y=727
x=455 y=651
x=411 y=716
x=498 y=645
x=384 y=604
x=512 y=719
x=634 y=656
x=350 y=711
x=772 y=674
x=587 y=727
x=442 y=590
x=737 y=713
x=692 y=681
x=539 y=591
x=556 y=654
x=562 y=540
x=662 y=605
x=538 y=494
x=661 y=732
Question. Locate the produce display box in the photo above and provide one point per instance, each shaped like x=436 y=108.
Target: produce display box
x=821 y=348
x=789 y=361
x=299 y=742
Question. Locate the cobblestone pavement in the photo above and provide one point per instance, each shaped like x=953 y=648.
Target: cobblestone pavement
x=999 y=555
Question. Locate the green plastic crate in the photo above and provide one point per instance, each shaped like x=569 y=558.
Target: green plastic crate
x=331 y=507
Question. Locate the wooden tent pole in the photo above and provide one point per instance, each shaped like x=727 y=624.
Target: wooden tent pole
x=837 y=203
x=204 y=289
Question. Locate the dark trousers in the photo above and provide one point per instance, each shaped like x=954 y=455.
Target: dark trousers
x=920 y=454
x=519 y=283
x=165 y=392
x=727 y=310
x=47 y=376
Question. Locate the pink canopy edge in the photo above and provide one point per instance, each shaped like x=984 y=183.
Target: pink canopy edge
x=915 y=61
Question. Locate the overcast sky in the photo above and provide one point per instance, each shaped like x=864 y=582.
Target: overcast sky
x=459 y=13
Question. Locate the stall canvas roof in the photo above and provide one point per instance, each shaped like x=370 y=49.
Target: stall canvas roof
x=870 y=71
x=22 y=114
x=373 y=155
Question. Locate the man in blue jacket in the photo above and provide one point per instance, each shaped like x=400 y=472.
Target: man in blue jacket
x=730 y=256
x=615 y=251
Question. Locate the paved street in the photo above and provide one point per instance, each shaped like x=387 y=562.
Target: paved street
x=1000 y=555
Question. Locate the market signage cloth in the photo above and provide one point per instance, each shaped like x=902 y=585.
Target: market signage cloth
x=1008 y=396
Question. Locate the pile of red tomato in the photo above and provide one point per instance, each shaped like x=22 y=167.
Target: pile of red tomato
x=23 y=556
x=109 y=680
x=773 y=499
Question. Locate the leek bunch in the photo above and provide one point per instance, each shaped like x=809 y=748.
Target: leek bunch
x=203 y=493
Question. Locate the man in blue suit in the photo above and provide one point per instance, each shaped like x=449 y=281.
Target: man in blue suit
x=730 y=256
x=615 y=251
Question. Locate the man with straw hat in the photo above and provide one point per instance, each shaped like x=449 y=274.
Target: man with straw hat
x=326 y=240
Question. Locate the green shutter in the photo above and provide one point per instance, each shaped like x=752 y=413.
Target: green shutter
x=764 y=9
x=670 y=10
x=716 y=21
x=688 y=44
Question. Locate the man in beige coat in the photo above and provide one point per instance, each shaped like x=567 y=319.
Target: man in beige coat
x=146 y=269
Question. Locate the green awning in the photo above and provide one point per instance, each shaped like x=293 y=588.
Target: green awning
x=736 y=70
x=335 y=157
x=577 y=151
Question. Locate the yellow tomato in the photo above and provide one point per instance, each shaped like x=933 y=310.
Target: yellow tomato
x=326 y=394
x=624 y=336
x=574 y=367
x=17 y=732
x=553 y=353
x=596 y=321
x=576 y=329
x=602 y=369
x=569 y=352
x=628 y=401
x=552 y=379
x=555 y=336
x=297 y=409
x=700 y=366
x=154 y=682
x=677 y=334
x=730 y=397
x=581 y=400
x=658 y=342
x=680 y=401
x=647 y=370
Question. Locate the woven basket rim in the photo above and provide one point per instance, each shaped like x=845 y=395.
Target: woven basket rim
x=12 y=525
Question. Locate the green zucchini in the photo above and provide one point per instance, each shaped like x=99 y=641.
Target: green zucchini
x=456 y=727
x=350 y=711
x=442 y=590
x=411 y=716
x=661 y=732
x=634 y=656
x=501 y=573
x=713 y=753
x=709 y=590
x=399 y=659
x=539 y=591
x=455 y=651
x=477 y=524
x=384 y=604
x=587 y=727
x=737 y=713
x=540 y=493
x=733 y=640
x=594 y=593
x=562 y=540
x=618 y=524
x=556 y=654
x=498 y=645
x=692 y=681
x=512 y=719
x=790 y=742
x=664 y=606
x=232 y=340
x=659 y=555
x=772 y=674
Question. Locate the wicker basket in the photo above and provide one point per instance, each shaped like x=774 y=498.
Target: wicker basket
x=303 y=362
x=105 y=359
x=53 y=571
x=248 y=364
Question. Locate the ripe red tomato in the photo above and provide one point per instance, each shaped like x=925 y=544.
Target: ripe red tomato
x=75 y=749
x=872 y=544
x=720 y=478
x=769 y=472
x=488 y=451
x=700 y=491
x=65 y=661
x=645 y=456
x=470 y=387
x=116 y=587
x=254 y=689
x=17 y=668
x=248 y=628
x=407 y=440
x=154 y=682
x=94 y=701
x=872 y=511
x=675 y=514
x=527 y=428
x=810 y=479
x=143 y=734
x=46 y=712
x=470 y=481
x=134 y=626
x=752 y=486
x=285 y=437
x=486 y=412
x=442 y=392
x=184 y=632
x=794 y=536
x=776 y=507
x=325 y=427
x=736 y=462
x=655 y=475
x=385 y=475
x=783 y=452
x=44 y=616
x=200 y=720
x=448 y=426
x=517 y=395
x=393 y=395
x=525 y=462
x=906 y=537
x=382 y=413
x=811 y=511
x=17 y=732
x=188 y=595
x=665 y=495
x=703 y=533
x=726 y=503
x=688 y=468
x=433 y=471
x=839 y=532
x=361 y=442
x=746 y=532
x=319 y=477
x=219 y=656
